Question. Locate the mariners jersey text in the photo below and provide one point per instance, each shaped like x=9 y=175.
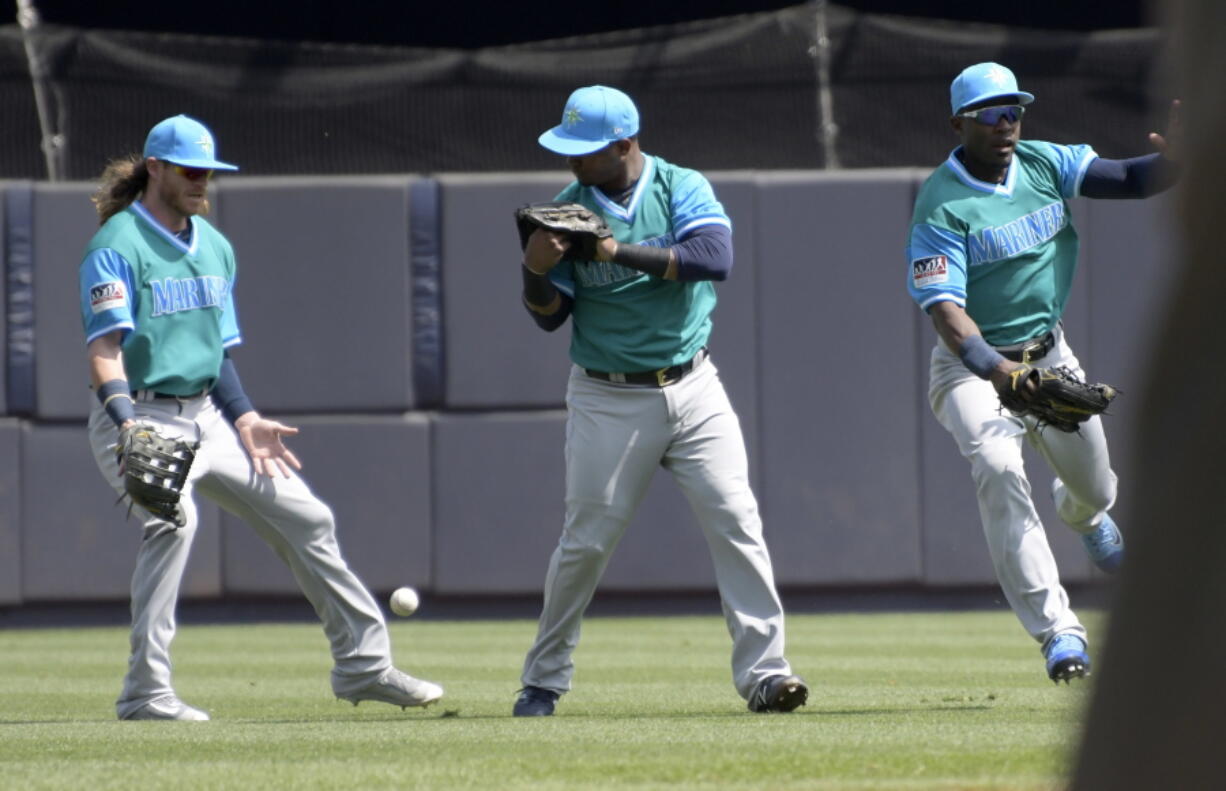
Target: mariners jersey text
x=171 y=295
x=1006 y=241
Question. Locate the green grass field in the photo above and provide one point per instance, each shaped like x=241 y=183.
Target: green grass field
x=899 y=701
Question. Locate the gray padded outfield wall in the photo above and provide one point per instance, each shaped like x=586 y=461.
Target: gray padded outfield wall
x=323 y=292
x=4 y=276
x=1132 y=260
x=494 y=354
x=348 y=300
x=836 y=340
x=10 y=512
x=64 y=221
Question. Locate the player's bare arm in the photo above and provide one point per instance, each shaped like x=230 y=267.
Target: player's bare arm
x=955 y=327
x=106 y=358
x=106 y=365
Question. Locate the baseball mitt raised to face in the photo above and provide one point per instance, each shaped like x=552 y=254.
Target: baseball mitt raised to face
x=1057 y=398
x=583 y=227
x=154 y=469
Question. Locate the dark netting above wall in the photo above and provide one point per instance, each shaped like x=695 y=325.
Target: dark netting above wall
x=732 y=93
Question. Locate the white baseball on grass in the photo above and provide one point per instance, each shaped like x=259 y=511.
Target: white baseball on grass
x=405 y=601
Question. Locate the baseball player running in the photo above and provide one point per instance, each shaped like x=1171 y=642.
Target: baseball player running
x=644 y=393
x=992 y=254
x=158 y=308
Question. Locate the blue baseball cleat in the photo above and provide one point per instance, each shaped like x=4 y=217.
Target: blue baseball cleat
x=1105 y=545
x=1067 y=658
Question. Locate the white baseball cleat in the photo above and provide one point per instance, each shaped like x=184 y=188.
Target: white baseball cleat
x=397 y=688
x=168 y=707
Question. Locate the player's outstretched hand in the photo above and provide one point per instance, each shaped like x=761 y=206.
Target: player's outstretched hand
x=1171 y=144
x=262 y=439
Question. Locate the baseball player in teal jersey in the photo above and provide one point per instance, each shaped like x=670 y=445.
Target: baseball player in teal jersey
x=157 y=304
x=643 y=393
x=992 y=254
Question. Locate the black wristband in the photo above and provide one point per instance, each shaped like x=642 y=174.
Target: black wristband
x=652 y=260
x=539 y=290
x=116 y=399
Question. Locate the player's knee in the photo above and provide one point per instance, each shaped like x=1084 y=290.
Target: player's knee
x=318 y=517
x=1099 y=498
x=592 y=531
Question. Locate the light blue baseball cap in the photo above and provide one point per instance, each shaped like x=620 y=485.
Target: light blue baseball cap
x=984 y=81
x=594 y=117
x=184 y=141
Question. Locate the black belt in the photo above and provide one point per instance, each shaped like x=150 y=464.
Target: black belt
x=153 y=395
x=661 y=377
x=1029 y=351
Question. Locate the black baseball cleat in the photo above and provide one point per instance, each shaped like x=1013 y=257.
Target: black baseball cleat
x=535 y=702
x=1067 y=658
x=779 y=693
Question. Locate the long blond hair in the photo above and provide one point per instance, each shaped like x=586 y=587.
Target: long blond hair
x=123 y=180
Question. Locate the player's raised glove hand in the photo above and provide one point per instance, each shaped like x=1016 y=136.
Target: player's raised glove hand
x=581 y=227
x=544 y=250
x=1053 y=396
x=262 y=439
x=154 y=469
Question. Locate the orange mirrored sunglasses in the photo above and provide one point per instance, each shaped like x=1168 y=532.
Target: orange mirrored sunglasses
x=192 y=174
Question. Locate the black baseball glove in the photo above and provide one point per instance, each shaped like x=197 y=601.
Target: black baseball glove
x=154 y=469
x=582 y=226
x=1058 y=399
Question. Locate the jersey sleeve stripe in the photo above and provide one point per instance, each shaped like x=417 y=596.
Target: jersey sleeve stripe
x=701 y=221
x=232 y=341
x=1080 y=175
x=960 y=301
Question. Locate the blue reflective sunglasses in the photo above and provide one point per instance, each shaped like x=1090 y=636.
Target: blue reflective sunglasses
x=990 y=116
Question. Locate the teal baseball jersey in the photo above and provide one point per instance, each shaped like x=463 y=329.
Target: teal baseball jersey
x=173 y=300
x=625 y=320
x=1005 y=252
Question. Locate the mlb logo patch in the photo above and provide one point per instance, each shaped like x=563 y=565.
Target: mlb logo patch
x=930 y=270
x=107 y=296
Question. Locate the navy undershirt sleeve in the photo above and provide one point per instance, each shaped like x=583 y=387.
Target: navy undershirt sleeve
x=227 y=392
x=1138 y=177
x=706 y=254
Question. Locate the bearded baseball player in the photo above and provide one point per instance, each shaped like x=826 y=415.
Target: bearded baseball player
x=158 y=308
x=992 y=254
x=644 y=393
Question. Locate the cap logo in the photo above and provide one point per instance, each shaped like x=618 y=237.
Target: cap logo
x=206 y=144
x=998 y=76
x=572 y=117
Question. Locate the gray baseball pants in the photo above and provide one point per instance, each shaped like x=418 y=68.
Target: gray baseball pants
x=991 y=440
x=616 y=438
x=294 y=522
